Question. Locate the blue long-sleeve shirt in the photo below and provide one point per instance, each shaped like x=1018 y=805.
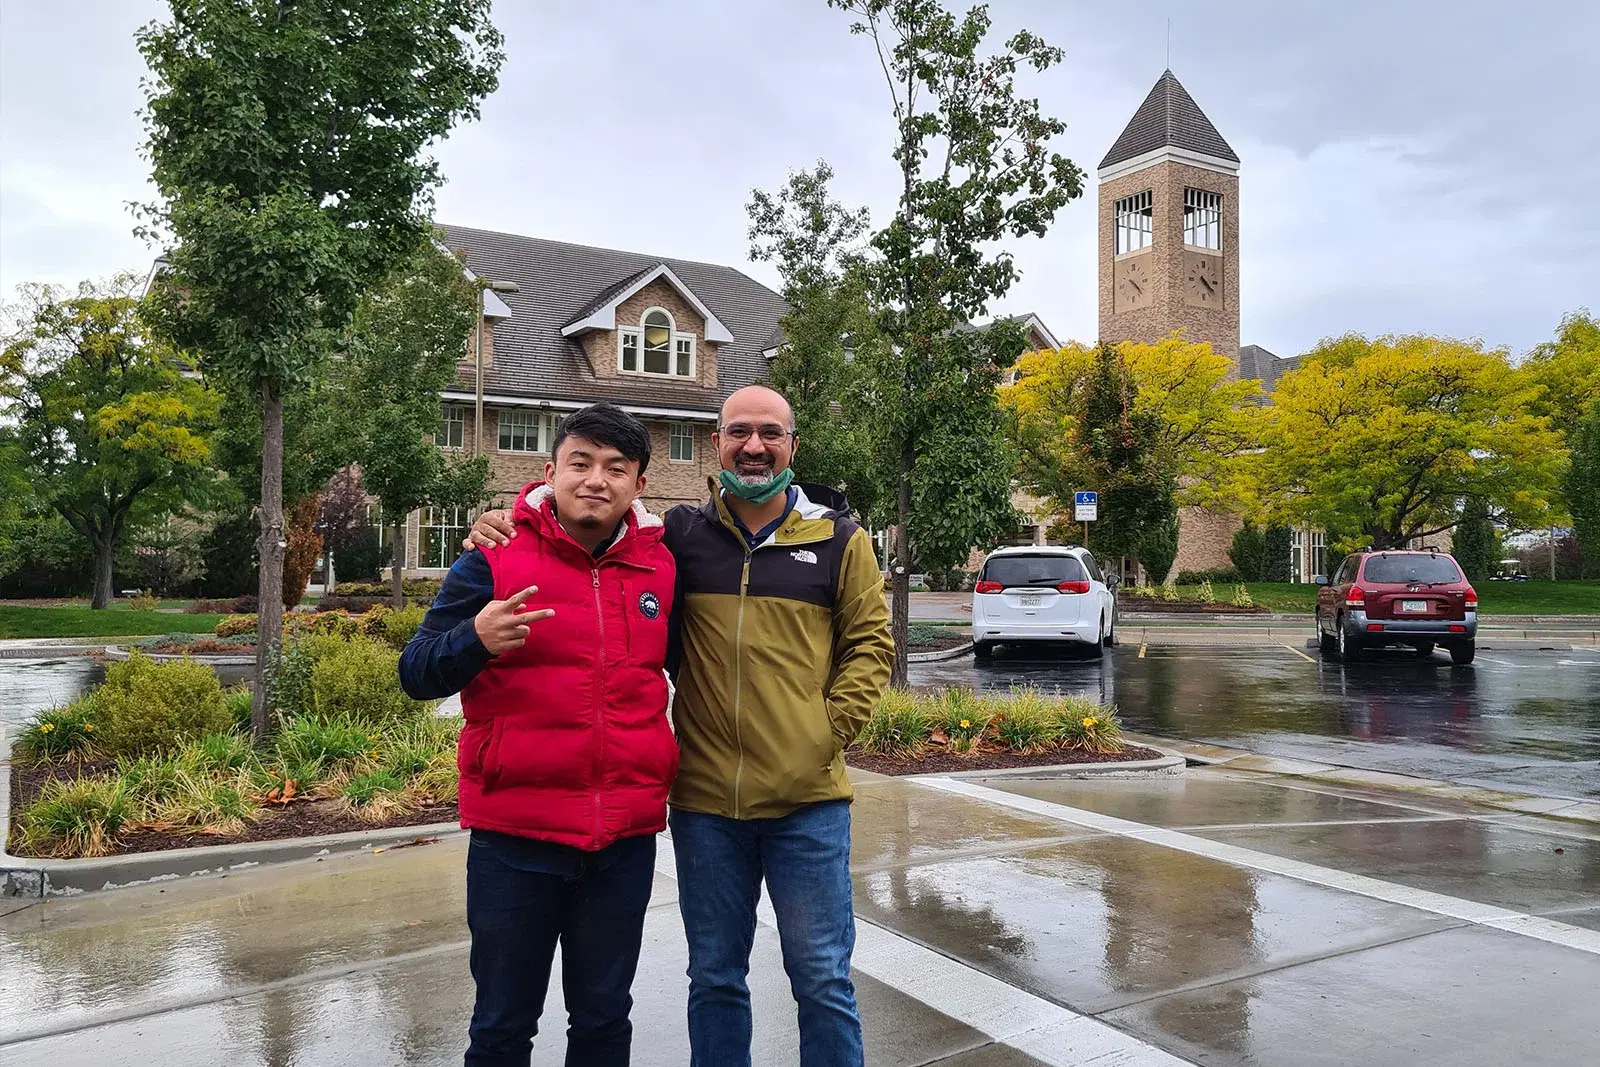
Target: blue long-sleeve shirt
x=446 y=652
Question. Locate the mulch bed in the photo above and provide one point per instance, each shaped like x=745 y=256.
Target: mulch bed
x=940 y=762
x=1180 y=607
x=301 y=818
x=943 y=644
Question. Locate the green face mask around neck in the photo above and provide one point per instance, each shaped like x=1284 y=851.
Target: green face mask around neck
x=757 y=492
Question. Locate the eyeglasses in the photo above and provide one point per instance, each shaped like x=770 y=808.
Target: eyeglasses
x=770 y=434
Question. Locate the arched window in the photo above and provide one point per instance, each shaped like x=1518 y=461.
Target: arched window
x=655 y=346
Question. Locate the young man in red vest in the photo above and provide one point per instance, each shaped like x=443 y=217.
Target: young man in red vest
x=557 y=643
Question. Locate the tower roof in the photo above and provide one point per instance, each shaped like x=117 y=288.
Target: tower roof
x=1168 y=118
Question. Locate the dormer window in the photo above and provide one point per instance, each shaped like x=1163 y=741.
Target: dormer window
x=655 y=347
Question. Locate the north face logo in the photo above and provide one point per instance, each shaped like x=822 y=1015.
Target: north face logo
x=804 y=555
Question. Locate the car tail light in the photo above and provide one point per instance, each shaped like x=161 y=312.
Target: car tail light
x=1472 y=599
x=1356 y=597
x=1073 y=587
x=1375 y=627
x=988 y=587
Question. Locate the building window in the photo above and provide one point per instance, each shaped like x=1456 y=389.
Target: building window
x=526 y=431
x=1319 y=552
x=1202 y=218
x=1135 y=222
x=452 y=426
x=440 y=534
x=656 y=347
x=682 y=444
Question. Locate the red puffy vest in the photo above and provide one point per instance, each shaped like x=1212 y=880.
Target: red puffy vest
x=566 y=738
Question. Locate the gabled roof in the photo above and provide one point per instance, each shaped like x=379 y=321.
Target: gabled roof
x=1259 y=363
x=560 y=284
x=1168 y=118
x=601 y=312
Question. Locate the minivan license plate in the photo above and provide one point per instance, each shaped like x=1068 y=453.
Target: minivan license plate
x=1414 y=605
x=1032 y=600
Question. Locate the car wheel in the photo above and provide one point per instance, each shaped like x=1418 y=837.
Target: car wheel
x=983 y=649
x=1425 y=649
x=1349 y=651
x=1110 y=638
x=1326 y=641
x=1462 y=654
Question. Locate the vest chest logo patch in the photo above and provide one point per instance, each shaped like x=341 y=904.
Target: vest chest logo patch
x=804 y=555
x=649 y=605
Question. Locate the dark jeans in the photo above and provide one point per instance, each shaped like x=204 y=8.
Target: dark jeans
x=523 y=896
x=805 y=859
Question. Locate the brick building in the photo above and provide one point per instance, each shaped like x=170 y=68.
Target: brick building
x=567 y=325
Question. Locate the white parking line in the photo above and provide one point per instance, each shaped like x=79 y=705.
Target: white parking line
x=1470 y=911
x=1041 y=1028
x=1297 y=652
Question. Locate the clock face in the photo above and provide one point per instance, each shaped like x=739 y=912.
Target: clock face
x=1135 y=287
x=1205 y=281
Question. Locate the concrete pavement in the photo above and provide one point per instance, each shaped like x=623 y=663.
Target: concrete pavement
x=1222 y=918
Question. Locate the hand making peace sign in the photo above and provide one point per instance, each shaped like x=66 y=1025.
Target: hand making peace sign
x=502 y=625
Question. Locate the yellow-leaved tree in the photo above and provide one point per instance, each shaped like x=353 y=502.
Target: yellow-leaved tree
x=1379 y=440
x=1202 y=419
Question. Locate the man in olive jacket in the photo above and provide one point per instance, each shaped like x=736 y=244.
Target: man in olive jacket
x=782 y=650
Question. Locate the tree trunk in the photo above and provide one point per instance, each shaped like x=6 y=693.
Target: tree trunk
x=269 y=618
x=105 y=552
x=900 y=574
x=328 y=580
x=397 y=572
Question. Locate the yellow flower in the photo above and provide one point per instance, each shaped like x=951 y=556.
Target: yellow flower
x=966 y=723
x=88 y=727
x=1089 y=722
x=47 y=727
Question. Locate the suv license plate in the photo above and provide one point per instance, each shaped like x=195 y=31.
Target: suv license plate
x=1414 y=605
x=1032 y=600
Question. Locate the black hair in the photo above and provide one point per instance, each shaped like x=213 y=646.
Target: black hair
x=608 y=425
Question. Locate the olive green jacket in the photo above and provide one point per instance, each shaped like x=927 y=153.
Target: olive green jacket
x=781 y=653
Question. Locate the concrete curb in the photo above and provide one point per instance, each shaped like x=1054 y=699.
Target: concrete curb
x=938 y=657
x=120 y=652
x=56 y=648
x=1168 y=765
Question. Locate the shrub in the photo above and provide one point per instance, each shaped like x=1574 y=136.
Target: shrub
x=146 y=706
x=1222 y=576
x=1249 y=552
x=218 y=752
x=1086 y=725
x=144 y=600
x=75 y=818
x=1027 y=722
x=377 y=796
x=355 y=605
x=150 y=781
x=1205 y=594
x=60 y=732
x=239 y=605
x=1275 y=554
x=397 y=628
x=361 y=682
x=1168 y=592
x=362 y=560
x=236 y=626
x=420 y=588
x=899 y=726
x=1242 y=598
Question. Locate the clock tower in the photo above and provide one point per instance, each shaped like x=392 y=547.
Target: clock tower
x=1169 y=226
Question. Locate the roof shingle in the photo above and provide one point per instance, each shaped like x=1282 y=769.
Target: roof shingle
x=1168 y=118
x=558 y=283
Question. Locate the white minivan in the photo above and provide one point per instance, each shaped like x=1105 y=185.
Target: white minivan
x=1043 y=593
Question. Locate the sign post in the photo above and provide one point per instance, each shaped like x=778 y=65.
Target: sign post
x=1085 y=509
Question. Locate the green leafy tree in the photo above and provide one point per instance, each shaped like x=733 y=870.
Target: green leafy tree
x=1474 y=542
x=408 y=337
x=1249 y=552
x=112 y=425
x=1275 y=561
x=816 y=244
x=287 y=139
x=1581 y=484
x=976 y=167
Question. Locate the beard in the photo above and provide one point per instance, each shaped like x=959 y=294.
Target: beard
x=752 y=470
x=588 y=522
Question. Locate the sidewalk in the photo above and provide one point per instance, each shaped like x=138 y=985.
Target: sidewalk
x=1222 y=918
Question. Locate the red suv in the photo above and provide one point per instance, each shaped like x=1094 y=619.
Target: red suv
x=1375 y=599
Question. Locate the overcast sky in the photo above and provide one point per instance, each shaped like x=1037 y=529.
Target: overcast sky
x=1408 y=165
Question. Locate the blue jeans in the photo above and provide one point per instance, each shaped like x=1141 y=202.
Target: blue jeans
x=522 y=897
x=805 y=858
